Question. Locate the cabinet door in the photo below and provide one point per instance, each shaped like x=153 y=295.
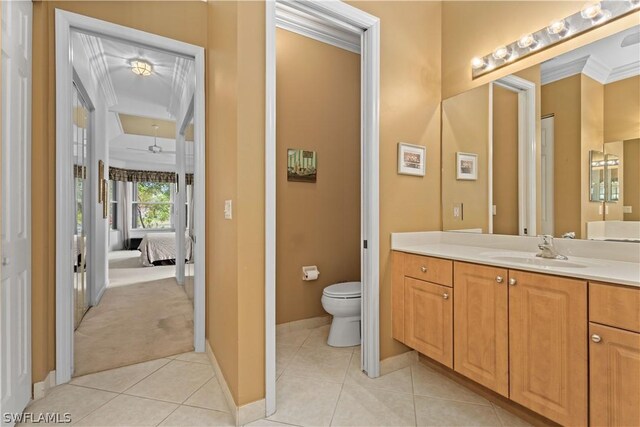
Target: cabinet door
x=481 y=337
x=548 y=345
x=615 y=376
x=428 y=322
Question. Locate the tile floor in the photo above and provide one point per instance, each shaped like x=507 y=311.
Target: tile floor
x=317 y=386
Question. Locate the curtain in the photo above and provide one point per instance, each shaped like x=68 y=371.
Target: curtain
x=126 y=212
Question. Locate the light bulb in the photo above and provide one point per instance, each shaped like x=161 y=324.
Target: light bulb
x=592 y=11
x=501 y=52
x=558 y=28
x=527 y=41
x=478 y=63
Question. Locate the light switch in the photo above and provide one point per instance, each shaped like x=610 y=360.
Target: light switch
x=228 y=209
x=457 y=211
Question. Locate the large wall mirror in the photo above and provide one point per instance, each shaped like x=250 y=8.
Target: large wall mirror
x=555 y=148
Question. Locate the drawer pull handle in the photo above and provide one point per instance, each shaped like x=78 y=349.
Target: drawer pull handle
x=423 y=269
x=445 y=296
x=596 y=338
x=499 y=279
x=512 y=281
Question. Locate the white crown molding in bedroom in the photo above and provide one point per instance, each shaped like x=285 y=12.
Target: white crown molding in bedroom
x=590 y=66
x=97 y=60
x=182 y=68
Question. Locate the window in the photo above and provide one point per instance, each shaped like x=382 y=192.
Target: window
x=113 y=208
x=152 y=205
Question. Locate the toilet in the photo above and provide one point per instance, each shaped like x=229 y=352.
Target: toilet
x=342 y=301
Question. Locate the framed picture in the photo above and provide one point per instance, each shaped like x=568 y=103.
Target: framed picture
x=466 y=166
x=411 y=159
x=301 y=165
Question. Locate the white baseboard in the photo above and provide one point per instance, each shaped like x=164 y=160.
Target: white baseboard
x=400 y=361
x=244 y=414
x=41 y=388
x=314 y=322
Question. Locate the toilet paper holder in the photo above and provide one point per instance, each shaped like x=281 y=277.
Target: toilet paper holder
x=310 y=272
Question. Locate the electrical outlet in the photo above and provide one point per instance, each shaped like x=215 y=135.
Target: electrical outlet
x=627 y=209
x=228 y=209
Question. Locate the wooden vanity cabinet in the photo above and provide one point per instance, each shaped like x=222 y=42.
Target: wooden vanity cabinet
x=614 y=375
x=481 y=325
x=614 y=355
x=548 y=346
x=428 y=319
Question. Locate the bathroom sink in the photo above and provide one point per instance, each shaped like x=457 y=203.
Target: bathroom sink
x=534 y=260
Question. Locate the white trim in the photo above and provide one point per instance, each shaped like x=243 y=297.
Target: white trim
x=624 y=72
x=589 y=66
x=97 y=61
x=340 y=15
x=292 y=19
x=40 y=389
x=490 y=160
x=65 y=21
x=527 y=147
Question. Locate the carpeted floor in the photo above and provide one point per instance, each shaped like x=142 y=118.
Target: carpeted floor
x=143 y=315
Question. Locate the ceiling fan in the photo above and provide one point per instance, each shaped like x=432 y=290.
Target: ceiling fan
x=155 y=148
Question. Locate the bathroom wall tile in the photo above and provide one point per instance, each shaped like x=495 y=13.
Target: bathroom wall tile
x=209 y=396
x=439 y=412
x=305 y=401
x=360 y=406
x=321 y=363
x=120 y=379
x=129 y=411
x=174 y=382
x=194 y=417
x=427 y=382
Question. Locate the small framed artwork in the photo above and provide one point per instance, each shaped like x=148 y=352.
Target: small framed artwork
x=411 y=159
x=301 y=165
x=466 y=166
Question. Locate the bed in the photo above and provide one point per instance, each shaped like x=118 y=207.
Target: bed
x=160 y=248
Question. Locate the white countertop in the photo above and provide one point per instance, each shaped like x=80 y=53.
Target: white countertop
x=615 y=262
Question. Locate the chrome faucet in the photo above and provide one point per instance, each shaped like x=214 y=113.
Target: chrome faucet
x=547 y=250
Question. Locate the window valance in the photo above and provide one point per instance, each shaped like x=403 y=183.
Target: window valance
x=130 y=175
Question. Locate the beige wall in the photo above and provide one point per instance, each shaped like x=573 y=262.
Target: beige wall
x=562 y=98
x=631 y=176
x=318 y=109
x=505 y=161
x=465 y=128
x=475 y=28
x=622 y=110
x=592 y=138
x=181 y=20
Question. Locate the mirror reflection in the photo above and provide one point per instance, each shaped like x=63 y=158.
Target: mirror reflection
x=556 y=146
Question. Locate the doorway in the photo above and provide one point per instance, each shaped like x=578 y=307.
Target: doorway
x=344 y=19
x=137 y=178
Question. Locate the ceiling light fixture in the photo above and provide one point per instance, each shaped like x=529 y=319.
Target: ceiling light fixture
x=141 y=68
x=591 y=10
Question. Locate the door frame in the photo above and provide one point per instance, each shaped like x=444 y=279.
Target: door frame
x=527 y=152
x=548 y=181
x=65 y=22
x=368 y=28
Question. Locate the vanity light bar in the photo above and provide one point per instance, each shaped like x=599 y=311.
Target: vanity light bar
x=592 y=15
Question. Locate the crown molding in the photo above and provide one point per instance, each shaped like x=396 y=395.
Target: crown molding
x=624 y=72
x=182 y=69
x=294 y=20
x=97 y=61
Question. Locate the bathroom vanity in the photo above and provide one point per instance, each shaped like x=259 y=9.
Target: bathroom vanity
x=559 y=337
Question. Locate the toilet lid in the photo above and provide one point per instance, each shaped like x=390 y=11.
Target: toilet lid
x=343 y=290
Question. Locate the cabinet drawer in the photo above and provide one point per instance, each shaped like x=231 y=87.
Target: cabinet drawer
x=434 y=270
x=615 y=306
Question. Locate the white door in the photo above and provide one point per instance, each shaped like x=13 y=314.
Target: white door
x=15 y=293
x=546 y=176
